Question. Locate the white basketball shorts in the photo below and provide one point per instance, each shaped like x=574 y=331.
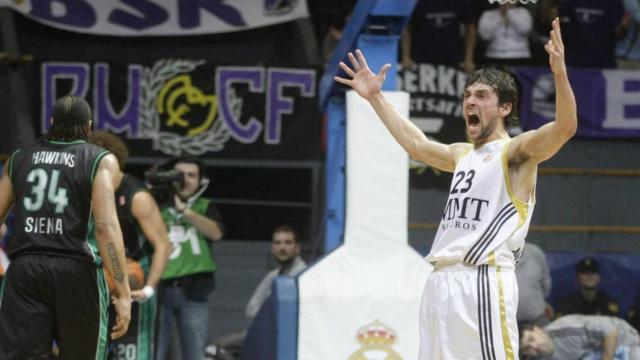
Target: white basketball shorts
x=469 y=313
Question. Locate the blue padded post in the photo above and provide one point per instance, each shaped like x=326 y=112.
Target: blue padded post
x=335 y=176
x=286 y=290
x=374 y=27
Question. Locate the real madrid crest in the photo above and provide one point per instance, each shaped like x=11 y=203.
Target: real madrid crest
x=376 y=340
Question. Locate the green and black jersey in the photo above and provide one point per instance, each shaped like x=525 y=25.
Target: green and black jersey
x=138 y=342
x=136 y=246
x=52 y=183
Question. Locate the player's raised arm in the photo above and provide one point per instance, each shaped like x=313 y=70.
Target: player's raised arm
x=110 y=243
x=369 y=86
x=541 y=144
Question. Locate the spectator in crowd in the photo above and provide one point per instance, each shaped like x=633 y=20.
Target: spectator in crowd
x=628 y=48
x=544 y=13
x=592 y=28
x=534 y=284
x=588 y=299
x=146 y=241
x=337 y=22
x=633 y=315
x=194 y=223
x=285 y=249
x=506 y=31
x=434 y=34
x=574 y=336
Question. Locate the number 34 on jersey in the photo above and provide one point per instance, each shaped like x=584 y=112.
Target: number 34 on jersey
x=44 y=188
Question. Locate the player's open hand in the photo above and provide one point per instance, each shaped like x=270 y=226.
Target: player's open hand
x=123 y=315
x=555 y=49
x=362 y=79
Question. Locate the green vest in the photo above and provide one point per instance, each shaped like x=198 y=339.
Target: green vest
x=191 y=250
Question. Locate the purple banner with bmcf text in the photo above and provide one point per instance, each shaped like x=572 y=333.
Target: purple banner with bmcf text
x=608 y=100
x=192 y=107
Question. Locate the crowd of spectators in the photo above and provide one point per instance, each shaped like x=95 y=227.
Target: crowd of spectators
x=570 y=325
x=468 y=34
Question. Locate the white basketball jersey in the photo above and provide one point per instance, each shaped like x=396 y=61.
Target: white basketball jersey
x=482 y=216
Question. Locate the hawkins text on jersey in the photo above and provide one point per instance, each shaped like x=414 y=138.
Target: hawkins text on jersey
x=54 y=158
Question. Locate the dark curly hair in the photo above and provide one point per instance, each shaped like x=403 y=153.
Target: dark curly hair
x=113 y=144
x=505 y=87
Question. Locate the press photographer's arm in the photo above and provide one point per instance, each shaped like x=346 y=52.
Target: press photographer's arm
x=208 y=227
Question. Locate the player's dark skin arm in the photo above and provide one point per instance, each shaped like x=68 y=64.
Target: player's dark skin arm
x=145 y=210
x=110 y=242
x=6 y=192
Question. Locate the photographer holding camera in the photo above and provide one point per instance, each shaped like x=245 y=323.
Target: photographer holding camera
x=193 y=223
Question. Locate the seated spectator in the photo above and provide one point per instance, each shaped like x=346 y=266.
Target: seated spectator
x=506 y=31
x=534 y=284
x=592 y=28
x=574 y=336
x=434 y=34
x=588 y=299
x=628 y=48
x=285 y=249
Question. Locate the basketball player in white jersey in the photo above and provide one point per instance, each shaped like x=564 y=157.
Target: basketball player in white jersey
x=469 y=303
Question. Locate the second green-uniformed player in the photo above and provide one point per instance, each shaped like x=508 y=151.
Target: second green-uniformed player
x=146 y=241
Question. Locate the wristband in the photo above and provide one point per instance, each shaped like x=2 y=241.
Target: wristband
x=148 y=291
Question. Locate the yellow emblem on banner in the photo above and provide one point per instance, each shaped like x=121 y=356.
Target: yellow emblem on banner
x=176 y=100
x=376 y=340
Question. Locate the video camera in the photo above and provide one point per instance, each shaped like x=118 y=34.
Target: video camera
x=163 y=180
x=161 y=183
x=158 y=177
